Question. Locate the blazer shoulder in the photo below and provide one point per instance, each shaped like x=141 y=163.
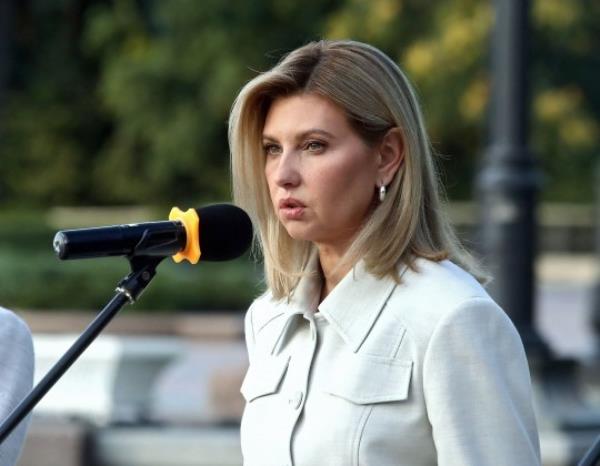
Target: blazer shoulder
x=433 y=291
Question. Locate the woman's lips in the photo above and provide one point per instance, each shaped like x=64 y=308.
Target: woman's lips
x=291 y=209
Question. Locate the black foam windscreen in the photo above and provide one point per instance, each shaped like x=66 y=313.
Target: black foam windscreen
x=225 y=232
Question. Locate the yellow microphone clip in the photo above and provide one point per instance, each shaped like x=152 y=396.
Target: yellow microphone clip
x=191 y=222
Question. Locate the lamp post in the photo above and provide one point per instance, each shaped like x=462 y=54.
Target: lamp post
x=596 y=288
x=508 y=182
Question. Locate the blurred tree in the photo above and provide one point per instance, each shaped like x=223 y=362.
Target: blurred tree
x=126 y=101
x=566 y=70
x=52 y=124
x=170 y=71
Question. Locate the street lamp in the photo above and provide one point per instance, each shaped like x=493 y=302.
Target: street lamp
x=509 y=180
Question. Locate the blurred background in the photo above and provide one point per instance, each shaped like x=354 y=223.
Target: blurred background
x=114 y=111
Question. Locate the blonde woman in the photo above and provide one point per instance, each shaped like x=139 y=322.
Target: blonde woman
x=375 y=343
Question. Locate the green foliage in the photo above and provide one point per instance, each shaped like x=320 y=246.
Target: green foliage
x=40 y=281
x=169 y=76
x=127 y=102
x=566 y=129
x=52 y=122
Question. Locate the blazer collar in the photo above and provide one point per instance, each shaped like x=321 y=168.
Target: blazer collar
x=352 y=307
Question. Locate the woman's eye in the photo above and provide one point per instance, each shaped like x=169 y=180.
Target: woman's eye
x=315 y=146
x=271 y=149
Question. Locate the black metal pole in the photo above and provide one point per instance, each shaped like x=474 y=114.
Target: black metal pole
x=508 y=183
x=592 y=455
x=596 y=286
x=128 y=290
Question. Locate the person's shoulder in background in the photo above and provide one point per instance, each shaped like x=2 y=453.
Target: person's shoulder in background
x=16 y=378
x=13 y=327
x=16 y=344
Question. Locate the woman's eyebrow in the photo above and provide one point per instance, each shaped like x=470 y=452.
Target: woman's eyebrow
x=303 y=134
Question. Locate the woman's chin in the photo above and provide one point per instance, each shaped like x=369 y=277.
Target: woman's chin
x=298 y=236
x=298 y=232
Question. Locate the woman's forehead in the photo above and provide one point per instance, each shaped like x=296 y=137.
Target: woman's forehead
x=303 y=113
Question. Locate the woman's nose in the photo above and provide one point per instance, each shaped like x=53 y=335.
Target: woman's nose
x=287 y=173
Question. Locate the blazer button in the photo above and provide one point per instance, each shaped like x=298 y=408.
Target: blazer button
x=295 y=400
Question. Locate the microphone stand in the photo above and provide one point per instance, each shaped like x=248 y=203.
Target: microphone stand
x=592 y=455
x=143 y=269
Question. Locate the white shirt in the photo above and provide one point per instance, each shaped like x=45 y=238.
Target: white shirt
x=428 y=372
x=16 y=379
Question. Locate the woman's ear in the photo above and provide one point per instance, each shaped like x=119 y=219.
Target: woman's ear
x=391 y=155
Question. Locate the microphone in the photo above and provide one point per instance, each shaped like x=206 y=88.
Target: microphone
x=217 y=232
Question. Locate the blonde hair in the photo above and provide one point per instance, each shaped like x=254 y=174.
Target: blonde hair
x=375 y=96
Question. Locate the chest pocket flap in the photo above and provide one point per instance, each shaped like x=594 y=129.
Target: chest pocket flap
x=264 y=376
x=364 y=379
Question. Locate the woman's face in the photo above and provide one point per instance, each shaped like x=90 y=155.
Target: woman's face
x=322 y=177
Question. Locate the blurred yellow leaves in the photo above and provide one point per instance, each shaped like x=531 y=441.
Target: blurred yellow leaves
x=473 y=102
x=554 y=104
x=363 y=19
x=557 y=14
x=419 y=59
x=457 y=44
x=580 y=132
x=563 y=109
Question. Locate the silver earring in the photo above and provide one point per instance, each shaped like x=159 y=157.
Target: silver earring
x=382 y=192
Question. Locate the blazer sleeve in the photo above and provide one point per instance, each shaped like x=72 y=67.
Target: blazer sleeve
x=16 y=379
x=478 y=390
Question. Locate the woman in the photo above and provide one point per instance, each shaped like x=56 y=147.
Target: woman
x=374 y=343
x=16 y=379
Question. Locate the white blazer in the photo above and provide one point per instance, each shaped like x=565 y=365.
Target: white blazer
x=16 y=379
x=428 y=372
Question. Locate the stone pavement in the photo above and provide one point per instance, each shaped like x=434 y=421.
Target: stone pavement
x=564 y=302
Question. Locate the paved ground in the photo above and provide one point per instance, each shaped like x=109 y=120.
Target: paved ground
x=564 y=303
